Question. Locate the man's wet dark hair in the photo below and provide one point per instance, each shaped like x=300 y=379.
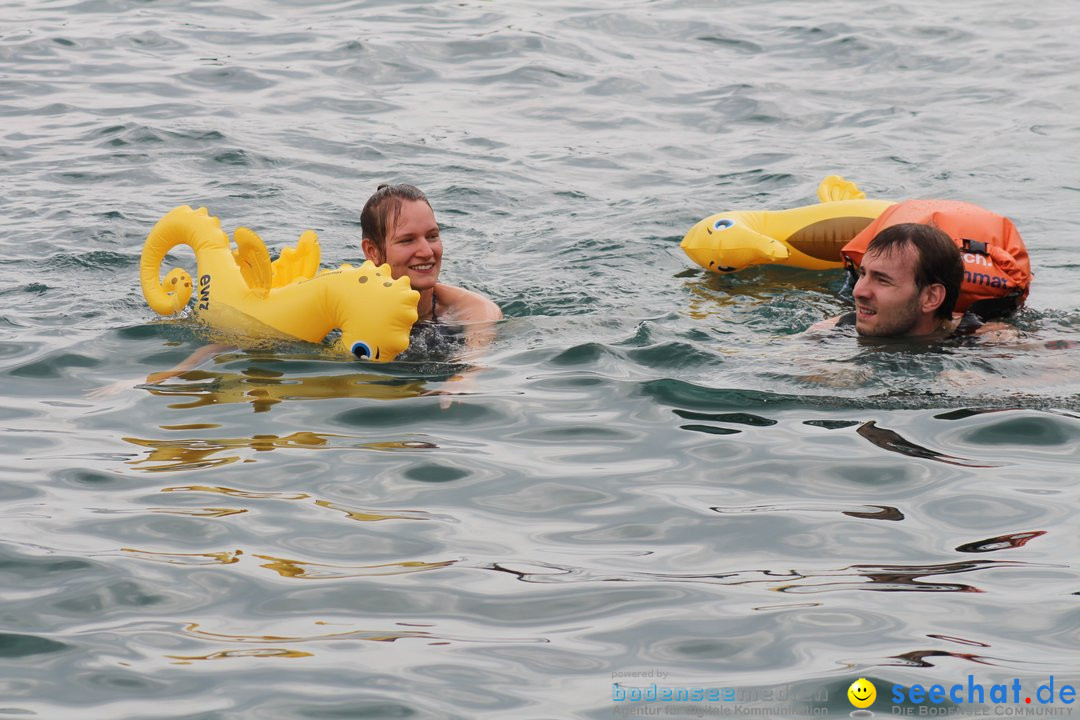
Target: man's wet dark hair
x=381 y=210
x=939 y=258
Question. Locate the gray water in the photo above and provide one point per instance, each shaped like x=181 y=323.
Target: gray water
x=654 y=471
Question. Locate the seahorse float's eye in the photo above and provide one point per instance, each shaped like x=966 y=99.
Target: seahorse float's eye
x=361 y=350
x=723 y=224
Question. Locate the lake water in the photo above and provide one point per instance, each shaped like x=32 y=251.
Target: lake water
x=655 y=479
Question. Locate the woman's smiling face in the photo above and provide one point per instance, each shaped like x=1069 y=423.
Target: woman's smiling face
x=413 y=247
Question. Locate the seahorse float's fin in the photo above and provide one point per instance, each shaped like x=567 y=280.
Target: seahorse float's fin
x=297 y=263
x=254 y=261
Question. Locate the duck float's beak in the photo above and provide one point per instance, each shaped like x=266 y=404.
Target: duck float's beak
x=727 y=243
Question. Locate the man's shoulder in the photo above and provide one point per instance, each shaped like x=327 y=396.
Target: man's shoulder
x=971 y=325
x=833 y=322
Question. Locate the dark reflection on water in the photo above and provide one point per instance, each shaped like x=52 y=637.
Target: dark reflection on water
x=899 y=579
x=737 y=418
x=876 y=578
x=893 y=442
x=879 y=512
x=918 y=658
x=1002 y=542
x=18 y=646
x=882 y=512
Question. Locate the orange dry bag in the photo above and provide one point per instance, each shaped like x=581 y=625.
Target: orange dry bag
x=997 y=271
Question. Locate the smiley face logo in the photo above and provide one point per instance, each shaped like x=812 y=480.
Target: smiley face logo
x=862 y=693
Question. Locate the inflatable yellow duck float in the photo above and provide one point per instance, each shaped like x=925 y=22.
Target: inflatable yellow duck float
x=242 y=291
x=808 y=237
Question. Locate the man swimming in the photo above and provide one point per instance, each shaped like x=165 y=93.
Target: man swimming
x=908 y=284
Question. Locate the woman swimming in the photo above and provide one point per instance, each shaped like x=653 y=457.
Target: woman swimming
x=399 y=229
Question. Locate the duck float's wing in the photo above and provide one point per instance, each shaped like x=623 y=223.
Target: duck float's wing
x=835 y=188
x=297 y=263
x=254 y=261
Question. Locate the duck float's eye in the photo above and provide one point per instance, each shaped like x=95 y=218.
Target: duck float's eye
x=361 y=350
x=723 y=224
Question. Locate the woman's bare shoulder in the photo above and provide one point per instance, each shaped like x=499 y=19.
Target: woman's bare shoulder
x=466 y=306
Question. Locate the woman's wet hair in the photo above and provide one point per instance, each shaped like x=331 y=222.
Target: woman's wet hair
x=380 y=212
x=939 y=258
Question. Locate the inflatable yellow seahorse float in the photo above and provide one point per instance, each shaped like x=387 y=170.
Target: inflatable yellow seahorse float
x=807 y=237
x=245 y=293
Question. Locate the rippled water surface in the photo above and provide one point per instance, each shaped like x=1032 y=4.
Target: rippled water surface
x=653 y=470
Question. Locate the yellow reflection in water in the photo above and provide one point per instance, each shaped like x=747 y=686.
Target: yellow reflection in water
x=265 y=388
x=199 y=512
x=321 y=571
x=232 y=492
x=713 y=297
x=372 y=635
x=358 y=514
x=213 y=558
x=375 y=515
x=188 y=454
x=227 y=654
x=382 y=636
x=172 y=454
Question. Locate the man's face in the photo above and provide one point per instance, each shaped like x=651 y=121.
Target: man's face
x=888 y=303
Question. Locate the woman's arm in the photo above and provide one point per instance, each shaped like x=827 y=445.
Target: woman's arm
x=477 y=316
x=191 y=362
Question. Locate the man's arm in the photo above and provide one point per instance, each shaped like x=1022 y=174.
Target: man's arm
x=998 y=332
x=824 y=324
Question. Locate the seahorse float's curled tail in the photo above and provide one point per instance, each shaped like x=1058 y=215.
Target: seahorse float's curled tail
x=244 y=292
